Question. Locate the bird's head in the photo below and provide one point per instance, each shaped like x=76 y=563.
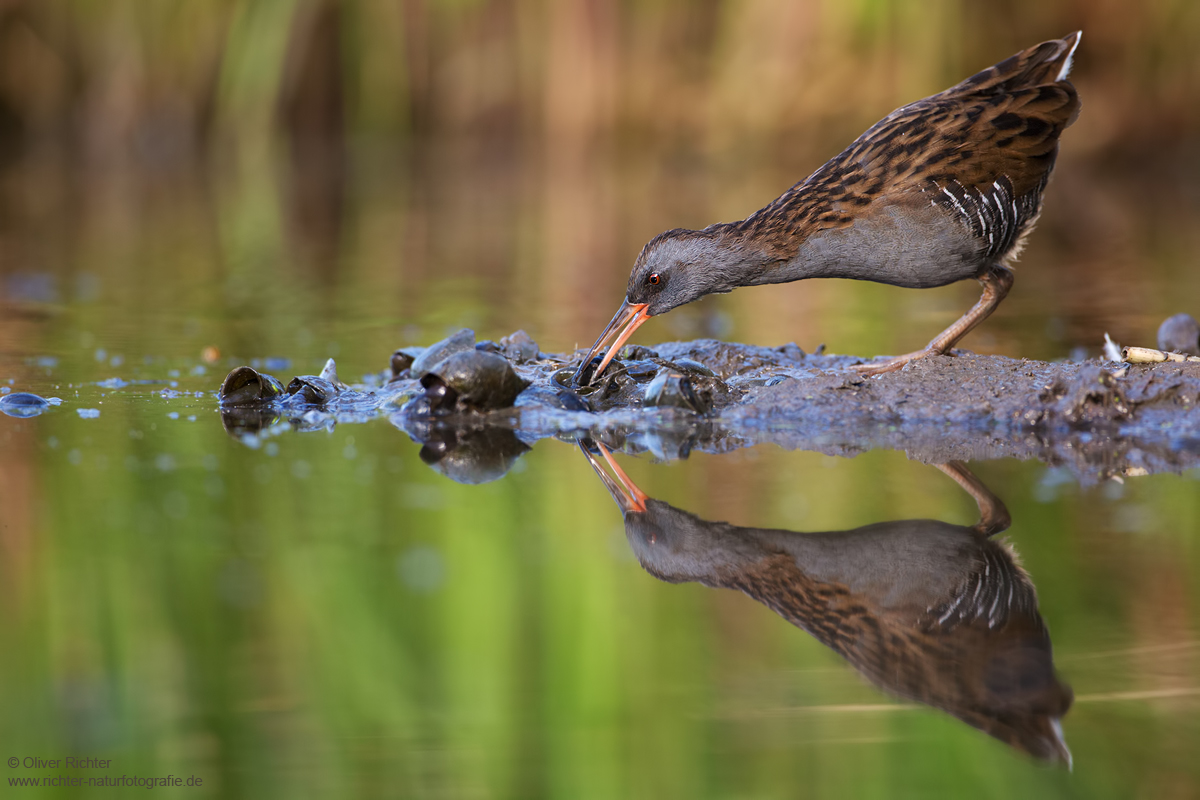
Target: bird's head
x=673 y=269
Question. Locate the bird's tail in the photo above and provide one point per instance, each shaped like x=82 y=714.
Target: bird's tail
x=1040 y=65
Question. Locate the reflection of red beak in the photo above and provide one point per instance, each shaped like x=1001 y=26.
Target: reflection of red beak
x=629 y=315
x=629 y=497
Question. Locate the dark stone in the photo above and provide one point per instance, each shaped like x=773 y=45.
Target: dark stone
x=248 y=386
x=310 y=390
x=519 y=347
x=570 y=401
x=462 y=341
x=480 y=381
x=402 y=360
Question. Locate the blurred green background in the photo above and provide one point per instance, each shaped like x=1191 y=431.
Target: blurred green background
x=324 y=616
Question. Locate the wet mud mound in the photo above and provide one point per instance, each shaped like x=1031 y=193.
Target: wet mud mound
x=1101 y=419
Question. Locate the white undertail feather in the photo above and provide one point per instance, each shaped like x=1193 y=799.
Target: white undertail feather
x=1056 y=725
x=1066 y=67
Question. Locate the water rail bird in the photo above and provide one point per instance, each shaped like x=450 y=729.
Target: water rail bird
x=928 y=611
x=938 y=191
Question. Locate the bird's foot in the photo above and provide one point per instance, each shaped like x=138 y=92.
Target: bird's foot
x=893 y=364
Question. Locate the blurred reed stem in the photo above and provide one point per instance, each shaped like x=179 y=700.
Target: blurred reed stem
x=153 y=82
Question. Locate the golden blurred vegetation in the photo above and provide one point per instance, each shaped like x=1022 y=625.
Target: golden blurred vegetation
x=499 y=163
x=121 y=80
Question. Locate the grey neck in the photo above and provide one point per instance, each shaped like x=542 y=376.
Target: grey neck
x=732 y=259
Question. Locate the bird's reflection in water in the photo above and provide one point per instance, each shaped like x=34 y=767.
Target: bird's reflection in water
x=929 y=611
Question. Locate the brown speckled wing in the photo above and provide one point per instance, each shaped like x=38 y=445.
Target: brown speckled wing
x=982 y=149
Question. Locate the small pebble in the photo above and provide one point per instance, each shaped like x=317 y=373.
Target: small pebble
x=88 y=413
x=1180 y=334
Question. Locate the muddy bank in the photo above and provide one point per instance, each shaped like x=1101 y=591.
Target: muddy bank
x=1099 y=419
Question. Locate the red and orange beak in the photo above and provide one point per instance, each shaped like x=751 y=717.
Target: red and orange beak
x=629 y=318
x=628 y=497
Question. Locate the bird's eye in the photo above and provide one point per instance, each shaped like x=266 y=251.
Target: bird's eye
x=654 y=279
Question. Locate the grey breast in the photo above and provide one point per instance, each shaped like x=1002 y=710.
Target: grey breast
x=914 y=245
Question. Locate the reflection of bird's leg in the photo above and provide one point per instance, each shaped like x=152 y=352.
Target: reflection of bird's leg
x=993 y=514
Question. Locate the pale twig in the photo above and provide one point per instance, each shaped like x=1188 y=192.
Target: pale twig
x=1148 y=355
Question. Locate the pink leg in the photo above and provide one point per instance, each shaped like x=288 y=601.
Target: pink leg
x=996 y=283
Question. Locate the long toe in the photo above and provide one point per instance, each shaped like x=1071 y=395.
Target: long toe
x=892 y=364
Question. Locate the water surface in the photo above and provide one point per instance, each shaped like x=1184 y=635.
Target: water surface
x=320 y=613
